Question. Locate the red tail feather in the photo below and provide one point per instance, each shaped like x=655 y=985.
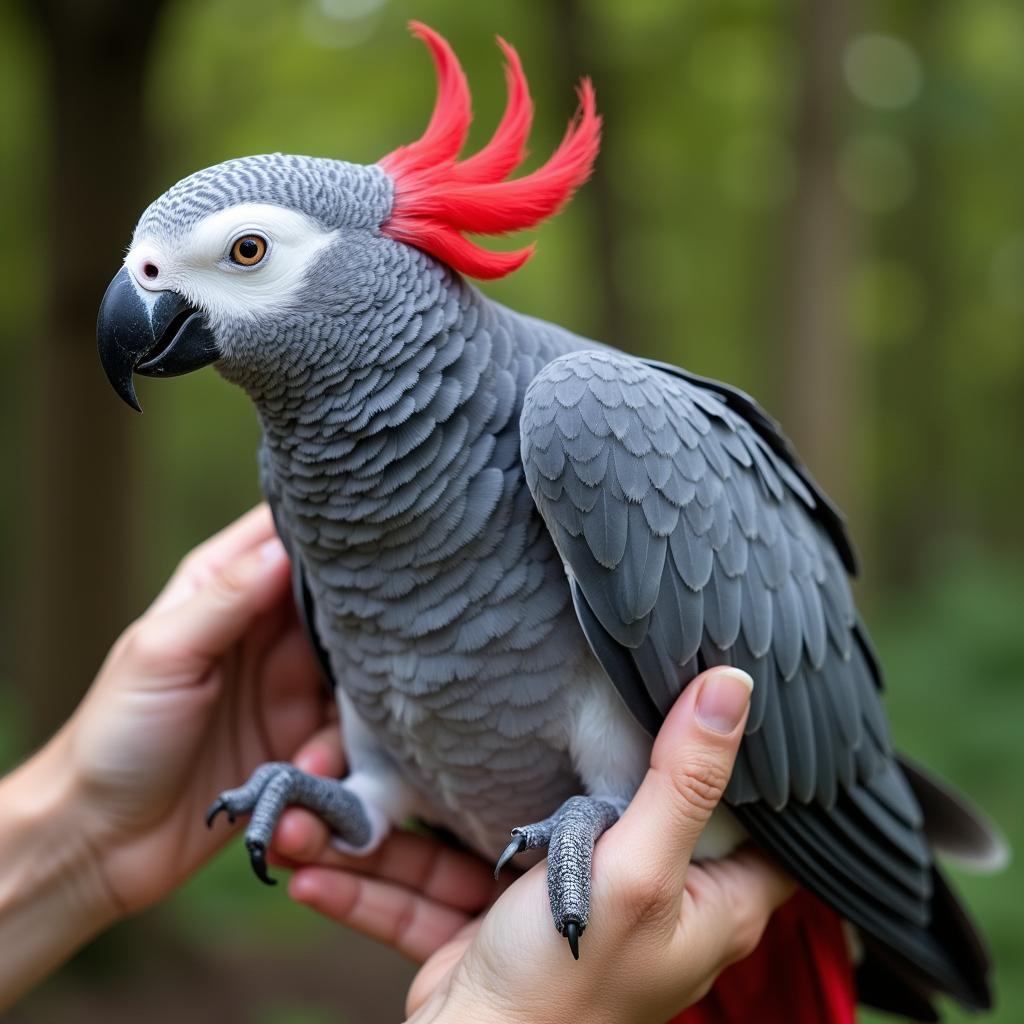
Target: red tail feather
x=437 y=198
x=799 y=974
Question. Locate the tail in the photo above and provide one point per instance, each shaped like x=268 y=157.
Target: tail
x=801 y=973
x=955 y=826
x=893 y=983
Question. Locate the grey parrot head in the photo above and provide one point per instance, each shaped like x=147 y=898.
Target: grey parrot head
x=238 y=261
x=260 y=263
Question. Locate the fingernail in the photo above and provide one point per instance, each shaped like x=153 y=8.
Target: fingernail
x=272 y=551
x=723 y=699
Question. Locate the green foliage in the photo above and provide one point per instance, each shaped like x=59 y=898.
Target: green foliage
x=298 y=1015
x=953 y=650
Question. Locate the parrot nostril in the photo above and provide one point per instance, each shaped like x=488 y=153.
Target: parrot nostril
x=150 y=270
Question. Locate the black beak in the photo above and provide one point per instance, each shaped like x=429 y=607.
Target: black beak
x=164 y=337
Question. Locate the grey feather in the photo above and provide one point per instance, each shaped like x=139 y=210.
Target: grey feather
x=692 y=557
x=642 y=566
x=606 y=528
x=787 y=639
x=801 y=742
x=757 y=612
x=723 y=607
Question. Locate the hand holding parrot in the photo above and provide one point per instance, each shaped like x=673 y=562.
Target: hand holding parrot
x=682 y=923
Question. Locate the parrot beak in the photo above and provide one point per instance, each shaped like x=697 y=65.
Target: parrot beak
x=159 y=335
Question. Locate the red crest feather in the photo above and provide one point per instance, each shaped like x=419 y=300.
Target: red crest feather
x=437 y=198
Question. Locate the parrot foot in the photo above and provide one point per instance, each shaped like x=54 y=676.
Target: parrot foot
x=569 y=836
x=274 y=786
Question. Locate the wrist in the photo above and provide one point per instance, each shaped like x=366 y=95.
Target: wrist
x=465 y=1000
x=478 y=990
x=53 y=897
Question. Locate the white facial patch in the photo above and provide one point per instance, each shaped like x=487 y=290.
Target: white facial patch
x=199 y=267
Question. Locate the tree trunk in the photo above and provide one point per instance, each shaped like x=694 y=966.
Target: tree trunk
x=917 y=508
x=78 y=552
x=567 y=20
x=819 y=383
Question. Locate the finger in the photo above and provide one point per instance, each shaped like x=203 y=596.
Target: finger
x=728 y=905
x=322 y=754
x=453 y=877
x=411 y=923
x=691 y=763
x=244 y=534
x=203 y=627
x=302 y=838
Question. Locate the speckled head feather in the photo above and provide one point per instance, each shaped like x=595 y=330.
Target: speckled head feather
x=333 y=192
x=437 y=198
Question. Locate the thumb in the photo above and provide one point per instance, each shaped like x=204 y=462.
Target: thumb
x=691 y=763
x=204 y=626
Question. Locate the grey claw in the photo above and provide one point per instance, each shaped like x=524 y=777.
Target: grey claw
x=572 y=931
x=216 y=807
x=258 y=859
x=517 y=845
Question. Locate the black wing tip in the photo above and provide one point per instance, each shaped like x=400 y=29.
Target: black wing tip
x=964 y=948
x=956 y=827
x=945 y=956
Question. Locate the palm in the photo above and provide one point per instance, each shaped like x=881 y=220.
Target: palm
x=164 y=730
x=438 y=967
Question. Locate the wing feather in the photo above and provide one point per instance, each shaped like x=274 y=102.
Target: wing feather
x=696 y=538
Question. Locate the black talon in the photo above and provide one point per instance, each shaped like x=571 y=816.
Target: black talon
x=258 y=859
x=216 y=807
x=517 y=845
x=571 y=930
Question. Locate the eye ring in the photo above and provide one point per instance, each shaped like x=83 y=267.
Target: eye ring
x=248 y=250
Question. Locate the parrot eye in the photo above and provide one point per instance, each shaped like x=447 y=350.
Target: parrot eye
x=248 y=250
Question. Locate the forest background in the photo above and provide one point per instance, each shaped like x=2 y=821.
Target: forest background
x=818 y=201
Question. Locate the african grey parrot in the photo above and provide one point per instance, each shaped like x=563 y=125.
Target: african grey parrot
x=513 y=547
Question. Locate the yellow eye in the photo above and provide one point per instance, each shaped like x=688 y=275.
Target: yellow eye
x=249 y=250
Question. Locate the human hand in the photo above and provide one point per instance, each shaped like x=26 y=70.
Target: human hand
x=214 y=678
x=661 y=928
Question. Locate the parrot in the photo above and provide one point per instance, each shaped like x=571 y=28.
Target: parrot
x=513 y=547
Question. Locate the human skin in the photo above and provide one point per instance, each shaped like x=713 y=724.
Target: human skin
x=217 y=677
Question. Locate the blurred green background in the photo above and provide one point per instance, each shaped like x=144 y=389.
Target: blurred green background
x=821 y=202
